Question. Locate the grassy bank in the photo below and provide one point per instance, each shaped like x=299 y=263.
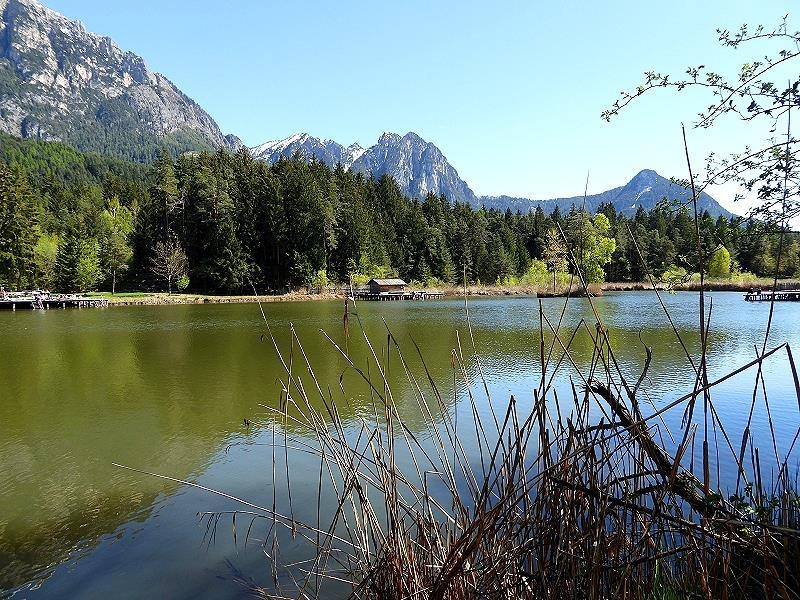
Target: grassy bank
x=156 y=299
x=596 y=289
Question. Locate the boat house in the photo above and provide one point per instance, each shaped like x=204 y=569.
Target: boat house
x=387 y=286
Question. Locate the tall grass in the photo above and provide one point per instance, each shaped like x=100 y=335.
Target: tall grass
x=583 y=495
x=555 y=503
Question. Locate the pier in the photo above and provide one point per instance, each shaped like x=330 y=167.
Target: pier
x=769 y=296
x=391 y=296
x=387 y=290
x=45 y=301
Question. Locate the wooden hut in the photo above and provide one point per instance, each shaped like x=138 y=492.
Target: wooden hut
x=387 y=286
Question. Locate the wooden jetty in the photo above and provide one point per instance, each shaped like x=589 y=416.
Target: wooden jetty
x=769 y=296
x=387 y=290
x=45 y=301
x=390 y=296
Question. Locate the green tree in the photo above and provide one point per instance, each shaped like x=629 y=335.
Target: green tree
x=77 y=264
x=554 y=254
x=212 y=246
x=44 y=256
x=719 y=265
x=164 y=194
x=591 y=248
x=116 y=225
x=19 y=227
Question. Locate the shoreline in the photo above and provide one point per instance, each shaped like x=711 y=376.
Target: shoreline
x=164 y=299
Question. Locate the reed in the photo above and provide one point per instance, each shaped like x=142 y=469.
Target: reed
x=587 y=494
x=576 y=497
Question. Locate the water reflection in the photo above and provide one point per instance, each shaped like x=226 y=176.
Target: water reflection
x=167 y=389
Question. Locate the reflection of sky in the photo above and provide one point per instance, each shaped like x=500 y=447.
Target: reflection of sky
x=736 y=330
x=183 y=423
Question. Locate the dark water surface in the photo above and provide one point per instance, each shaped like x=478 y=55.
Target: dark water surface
x=168 y=389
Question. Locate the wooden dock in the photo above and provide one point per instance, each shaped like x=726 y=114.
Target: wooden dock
x=19 y=301
x=769 y=296
x=392 y=296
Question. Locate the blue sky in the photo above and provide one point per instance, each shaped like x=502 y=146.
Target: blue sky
x=511 y=92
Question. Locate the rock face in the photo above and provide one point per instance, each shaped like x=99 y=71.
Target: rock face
x=327 y=151
x=646 y=190
x=419 y=167
x=60 y=82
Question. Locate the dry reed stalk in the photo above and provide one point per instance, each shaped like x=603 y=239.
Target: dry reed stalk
x=558 y=502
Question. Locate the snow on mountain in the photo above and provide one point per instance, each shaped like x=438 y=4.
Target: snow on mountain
x=419 y=167
x=308 y=146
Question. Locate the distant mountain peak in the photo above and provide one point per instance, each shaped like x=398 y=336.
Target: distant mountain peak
x=646 y=189
x=419 y=167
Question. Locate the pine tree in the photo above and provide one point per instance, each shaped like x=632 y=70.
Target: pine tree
x=19 y=228
x=77 y=264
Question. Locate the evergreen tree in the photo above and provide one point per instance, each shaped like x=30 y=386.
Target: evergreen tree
x=19 y=228
x=77 y=264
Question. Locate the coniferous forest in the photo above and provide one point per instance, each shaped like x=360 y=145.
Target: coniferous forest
x=228 y=224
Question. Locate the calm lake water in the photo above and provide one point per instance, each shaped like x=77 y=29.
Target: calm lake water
x=185 y=391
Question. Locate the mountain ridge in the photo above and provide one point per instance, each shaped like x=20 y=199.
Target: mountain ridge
x=60 y=82
x=646 y=189
x=418 y=166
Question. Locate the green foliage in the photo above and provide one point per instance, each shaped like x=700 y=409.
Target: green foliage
x=116 y=225
x=19 y=228
x=675 y=276
x=719 y=266
x=45 y=254
x=590 y=248
x=320 y=279
x=241 y=223
x=77 y=263
x=537 y=274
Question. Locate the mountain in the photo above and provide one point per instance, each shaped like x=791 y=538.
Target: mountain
x=646 y=189
x=419 y=167
x=327 y=151
x=60 y=82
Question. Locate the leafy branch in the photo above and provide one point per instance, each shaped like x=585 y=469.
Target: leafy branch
x=769 y=168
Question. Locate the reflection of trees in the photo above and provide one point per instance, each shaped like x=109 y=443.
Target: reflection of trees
x=83 y=389
x=165 y=388
x=375 y=364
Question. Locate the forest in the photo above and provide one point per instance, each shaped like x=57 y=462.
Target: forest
x=225 y=223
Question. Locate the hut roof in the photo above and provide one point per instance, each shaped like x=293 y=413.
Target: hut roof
x=388 y=281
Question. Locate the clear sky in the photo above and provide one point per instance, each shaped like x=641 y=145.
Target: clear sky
x=511 y=92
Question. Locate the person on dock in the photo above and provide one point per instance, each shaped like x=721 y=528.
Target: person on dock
x=2 y=293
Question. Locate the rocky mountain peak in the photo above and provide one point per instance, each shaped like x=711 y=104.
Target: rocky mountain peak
x=388 y=138
x=61 y=82
x=419 y=167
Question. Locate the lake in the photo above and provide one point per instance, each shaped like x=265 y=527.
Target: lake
x=187 y=391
